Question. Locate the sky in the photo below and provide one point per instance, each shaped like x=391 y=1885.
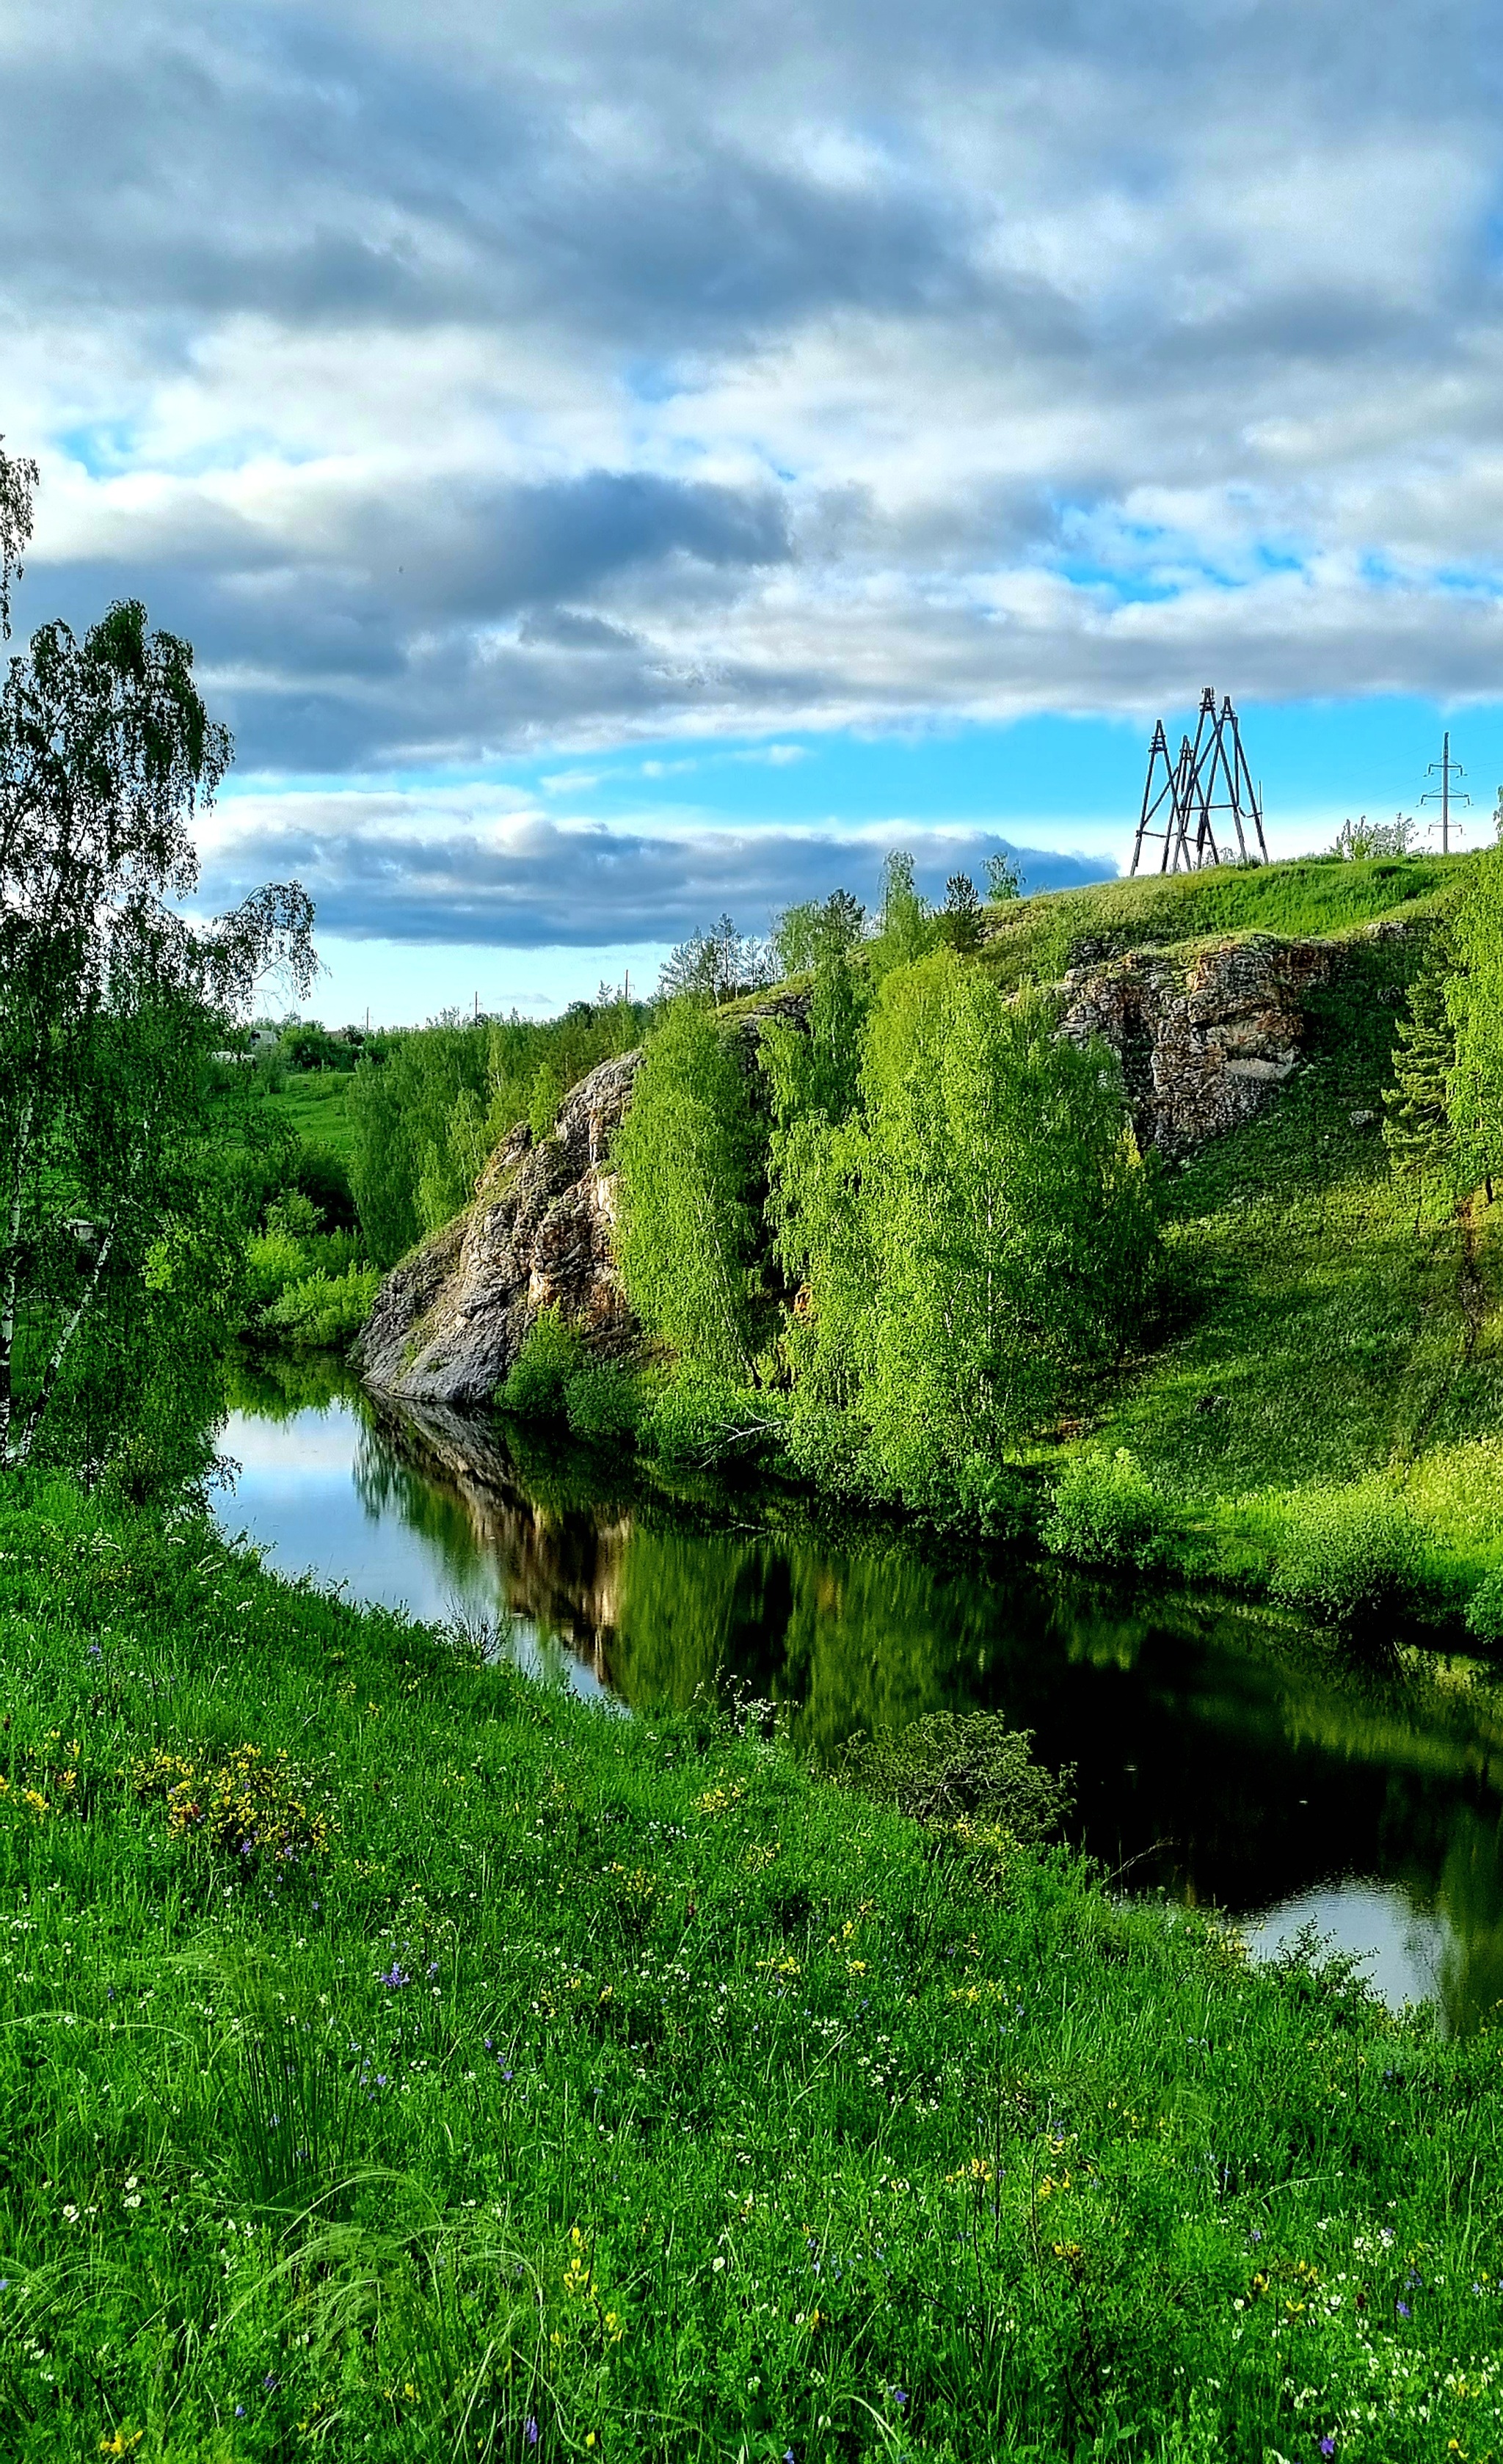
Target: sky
x=622 y=460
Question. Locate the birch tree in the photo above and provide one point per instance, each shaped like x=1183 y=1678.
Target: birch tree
x=112 y=1003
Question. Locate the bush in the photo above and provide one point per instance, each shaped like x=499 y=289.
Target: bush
x=536 y=1388
x=1484 y=1608
x=700 y=1423
x=323 y=1309
x=603 y=1403
x=1345 y=1553
x=273 y=1261
x=1107 y=1513
x=954 y=1766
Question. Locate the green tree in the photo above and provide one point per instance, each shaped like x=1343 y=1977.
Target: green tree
x=116 y=1215
x=960 y=915
x=689 y=1157
x=808 y=935
x=907 y=927
x=981 y=1226
x=1417 y=1130
x=1004 y=879
x=1474 y=1009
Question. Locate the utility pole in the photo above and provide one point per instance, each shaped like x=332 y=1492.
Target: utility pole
x=1442 y=795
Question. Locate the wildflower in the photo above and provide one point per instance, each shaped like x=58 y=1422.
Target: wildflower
x=395 y=1976
x=899 y=2396
x=268 y=2382
x=1328 y=2444
x=239 y=2413
x=1403 y=2309
x=530 y=2430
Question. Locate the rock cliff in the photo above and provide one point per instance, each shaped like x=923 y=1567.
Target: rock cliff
x=450 y=1320
x=1203 y=1040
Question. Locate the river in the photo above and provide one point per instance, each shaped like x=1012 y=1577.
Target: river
x=1219 y=1757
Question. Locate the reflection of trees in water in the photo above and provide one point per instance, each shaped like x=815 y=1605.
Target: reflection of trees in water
x=1215 y=1755
x=1469 y=1980
x=274 y=1385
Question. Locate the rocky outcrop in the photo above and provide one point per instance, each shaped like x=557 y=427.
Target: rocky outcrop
x=450 y=1321
x=1202 y=1040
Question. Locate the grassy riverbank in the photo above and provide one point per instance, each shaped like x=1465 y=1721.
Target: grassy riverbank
x=577 y=2086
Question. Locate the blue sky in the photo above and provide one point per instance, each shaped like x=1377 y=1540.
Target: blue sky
x=619 y=460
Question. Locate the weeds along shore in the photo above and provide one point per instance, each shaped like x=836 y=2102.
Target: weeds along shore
x=403 y=2059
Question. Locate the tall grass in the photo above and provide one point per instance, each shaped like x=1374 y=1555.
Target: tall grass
x=605 y=2087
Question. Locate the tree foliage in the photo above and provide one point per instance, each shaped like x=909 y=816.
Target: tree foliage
x=978 y=1224
x=116 y=1219
x=1474 y=1009
x=430 y=1107
x=689 y=1158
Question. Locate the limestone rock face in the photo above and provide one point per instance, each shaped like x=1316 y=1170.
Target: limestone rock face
x=450 y=1321
x=1202 y=1043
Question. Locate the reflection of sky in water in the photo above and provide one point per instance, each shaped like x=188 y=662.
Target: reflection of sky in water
x=1400 y=1948
x=296 y=1497
x=314 y=1490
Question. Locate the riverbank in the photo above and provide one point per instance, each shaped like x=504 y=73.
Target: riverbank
x=537 y=2082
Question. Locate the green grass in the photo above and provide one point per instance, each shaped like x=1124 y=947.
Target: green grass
x=1309 y=897
x=1316 y=1334
x=316 y=1104
x=616 y=2084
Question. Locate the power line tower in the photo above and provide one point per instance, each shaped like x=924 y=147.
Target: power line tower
x=1444 y=794
x=1208 y=790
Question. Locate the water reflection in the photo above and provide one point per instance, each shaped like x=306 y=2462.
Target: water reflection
x=1216 y=1757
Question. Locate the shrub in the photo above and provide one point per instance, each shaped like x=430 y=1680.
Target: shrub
x=1107 y=1513
x=603 y=1403
x=697 y=1422
x=322 y=1309
x=274 y=1260
x=961 y=1767
x=1484 y=1608
x=536 y=1387
x=1345 y=1553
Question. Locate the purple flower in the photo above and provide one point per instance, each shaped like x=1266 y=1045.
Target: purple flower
x=530 y=2430
x=395 y=1977
x=239 y=2413
x=1328 y=2444
x=432 y=1970
x=268 y=2382
x=1403 y=2309
x=380 y=2079
x=96 y=1650
x=506 y=2075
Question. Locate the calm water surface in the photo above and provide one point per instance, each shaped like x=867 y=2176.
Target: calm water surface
x=1216 y=1758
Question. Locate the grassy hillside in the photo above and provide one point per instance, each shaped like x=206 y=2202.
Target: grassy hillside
x=413 y=2063
x=1313 y=895
x=1325 y=1322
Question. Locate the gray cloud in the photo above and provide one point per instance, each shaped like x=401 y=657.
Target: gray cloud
x=589 y=888
x=464 y=383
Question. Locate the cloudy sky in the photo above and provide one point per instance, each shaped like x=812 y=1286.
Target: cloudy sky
x=622 y=459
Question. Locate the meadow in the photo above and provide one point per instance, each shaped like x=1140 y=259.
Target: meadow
x=315 y=1103
x=419 y=2063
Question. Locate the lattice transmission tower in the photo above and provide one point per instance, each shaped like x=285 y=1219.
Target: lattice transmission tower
x=1203 y=806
